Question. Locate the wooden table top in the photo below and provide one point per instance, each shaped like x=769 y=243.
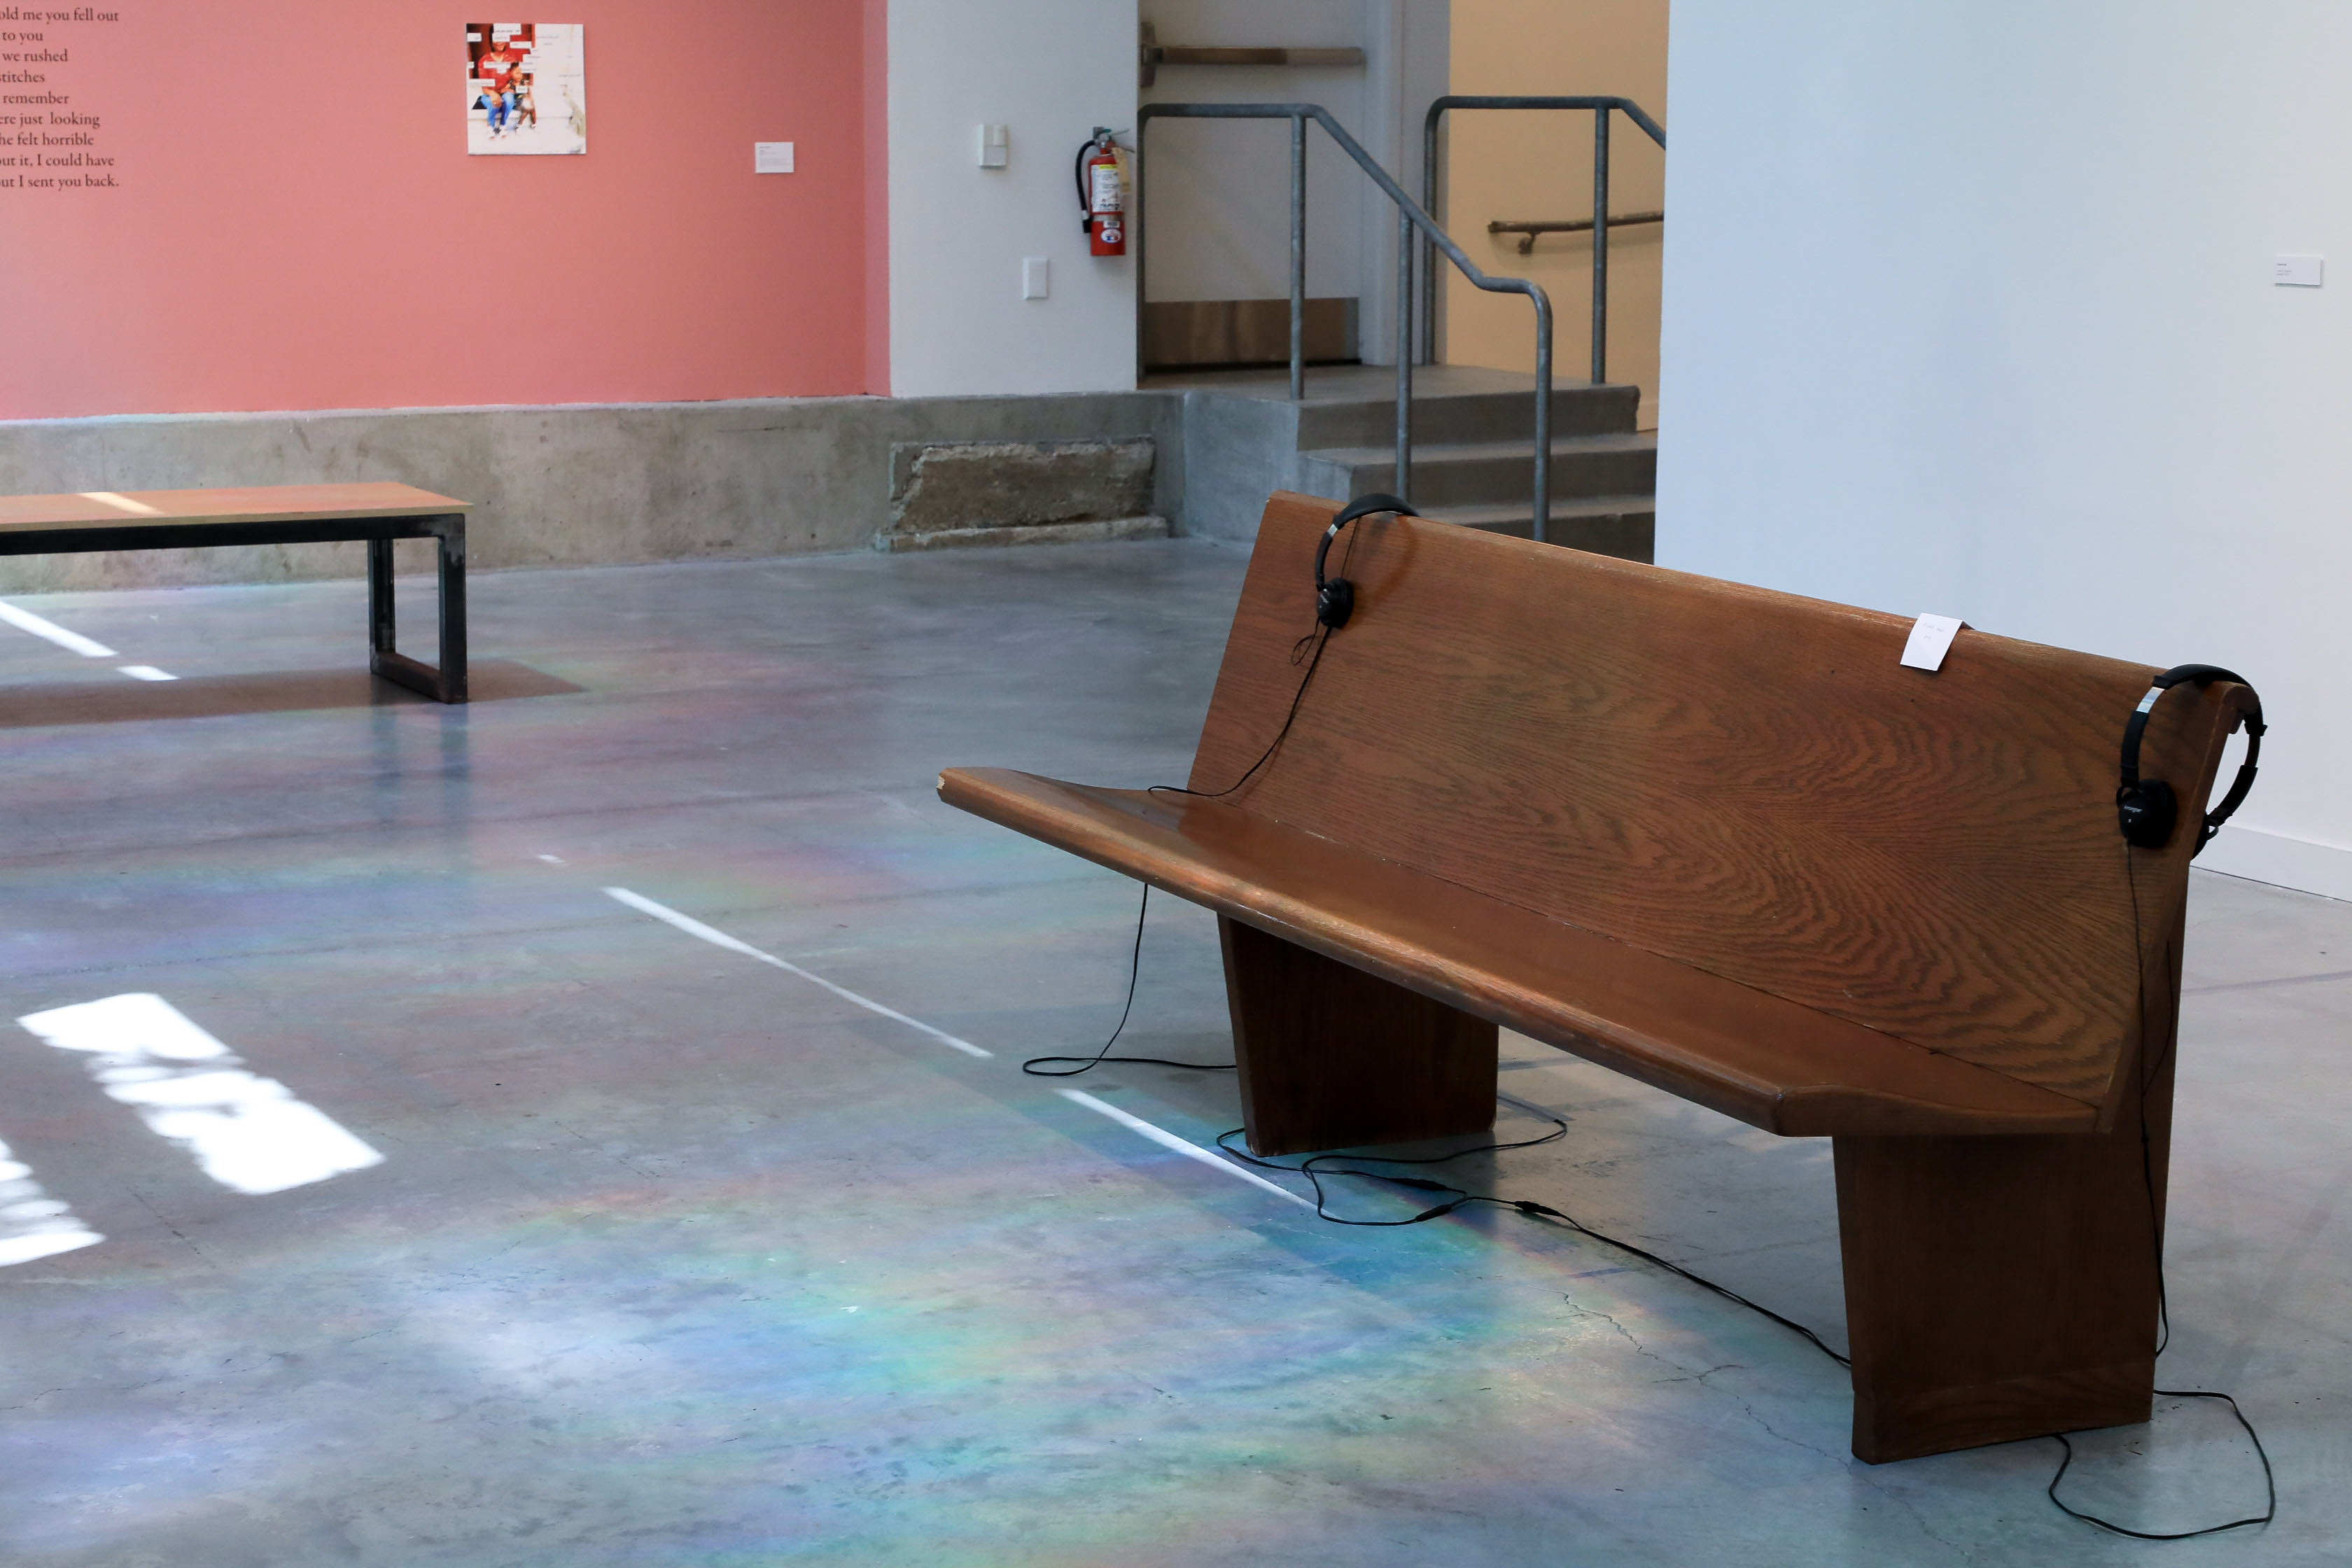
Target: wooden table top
x=250 y=503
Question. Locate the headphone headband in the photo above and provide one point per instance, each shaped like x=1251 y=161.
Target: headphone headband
x=1335 y=600
x=2147 y=809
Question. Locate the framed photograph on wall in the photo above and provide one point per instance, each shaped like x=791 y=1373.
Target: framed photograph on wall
x=525 y=88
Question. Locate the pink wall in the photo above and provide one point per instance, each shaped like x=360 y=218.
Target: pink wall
x=300 y=225
x=877 y=209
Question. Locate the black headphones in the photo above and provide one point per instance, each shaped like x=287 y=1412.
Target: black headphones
x=2147 y=808
x=1335 y=600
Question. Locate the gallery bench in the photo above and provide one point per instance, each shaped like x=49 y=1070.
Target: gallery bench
x=1718 y=839
x=278 y=515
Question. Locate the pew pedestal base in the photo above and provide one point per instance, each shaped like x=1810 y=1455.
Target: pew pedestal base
x=1913 y=1423
x=1999 y=1289
x=1332 y=1058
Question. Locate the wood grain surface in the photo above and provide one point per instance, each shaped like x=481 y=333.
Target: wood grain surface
x=1742 y=780
x=2007 y=1288
x=1738 y=1049
x=255 y=503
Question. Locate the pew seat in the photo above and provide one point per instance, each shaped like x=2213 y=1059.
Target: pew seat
x=1768 y=1061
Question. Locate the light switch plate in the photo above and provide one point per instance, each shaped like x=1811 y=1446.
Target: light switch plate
x=771 y=157
x=1036 y=277
x=2299 y=271
x=995 y=146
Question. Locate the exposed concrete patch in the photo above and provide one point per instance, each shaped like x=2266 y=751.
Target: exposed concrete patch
x=957 y=493
x=1095 y=533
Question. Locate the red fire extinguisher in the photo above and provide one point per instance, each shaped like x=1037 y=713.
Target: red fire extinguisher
x=1102 y=192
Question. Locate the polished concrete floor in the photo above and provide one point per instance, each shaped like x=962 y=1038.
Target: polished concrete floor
x=678 y=1256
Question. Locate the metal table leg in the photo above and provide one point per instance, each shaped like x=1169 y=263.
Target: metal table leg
x=447 y=683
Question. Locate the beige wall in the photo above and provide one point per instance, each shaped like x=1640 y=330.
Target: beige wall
x=1539 y=165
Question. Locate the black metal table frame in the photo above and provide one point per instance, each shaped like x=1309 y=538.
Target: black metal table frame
x=445 y=683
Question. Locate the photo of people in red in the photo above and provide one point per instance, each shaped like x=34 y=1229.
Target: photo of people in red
x=514 y=71
x=497 y=68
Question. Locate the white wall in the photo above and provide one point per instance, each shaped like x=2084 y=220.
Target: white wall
x=1052 y=70
x=1411 y=64
x=1221 y=191
x=1970 y=308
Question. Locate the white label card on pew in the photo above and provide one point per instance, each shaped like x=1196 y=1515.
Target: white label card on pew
x=1931 y=638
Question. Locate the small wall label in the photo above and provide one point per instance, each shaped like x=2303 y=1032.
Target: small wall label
x=2299 y=271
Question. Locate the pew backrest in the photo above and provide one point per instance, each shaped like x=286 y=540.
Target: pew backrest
x=1745 y=781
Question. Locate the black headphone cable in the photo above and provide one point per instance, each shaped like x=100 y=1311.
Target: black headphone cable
x=1318 y=638
x=2148 y=1074
x=1088 y=1064
x=1328 y=618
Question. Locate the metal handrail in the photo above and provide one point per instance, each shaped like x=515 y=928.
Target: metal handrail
x=1601 y=109
x=1530 y=229
x=1411 y=215
x=1153 y=54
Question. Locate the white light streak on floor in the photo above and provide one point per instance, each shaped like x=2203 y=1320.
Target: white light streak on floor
x=718 y=937
x=33 y=1224
x=146 y=672
x=72 y=642
x=1186 y=1147
x=246 y=1133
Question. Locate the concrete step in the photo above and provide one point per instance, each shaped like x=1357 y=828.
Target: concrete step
x=1623 y=526
x=1243 y=439
x=1440 y=416
x=1477 y=473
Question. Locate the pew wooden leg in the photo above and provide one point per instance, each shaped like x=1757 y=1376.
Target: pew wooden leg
x=2001 y=1288
x=1332 y=1058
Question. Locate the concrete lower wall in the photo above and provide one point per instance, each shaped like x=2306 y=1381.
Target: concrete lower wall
x=1241 y=450
x=574 y=486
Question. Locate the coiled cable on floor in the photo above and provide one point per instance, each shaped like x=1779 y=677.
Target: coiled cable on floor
x=1314 y=1169
x=1034 y=1065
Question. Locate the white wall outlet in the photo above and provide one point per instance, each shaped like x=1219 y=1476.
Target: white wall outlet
x=995 y=146
x=1036 y=277
x=771 y=157
x=2298 y=271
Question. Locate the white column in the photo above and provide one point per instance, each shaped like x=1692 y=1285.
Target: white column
x=1049 y=70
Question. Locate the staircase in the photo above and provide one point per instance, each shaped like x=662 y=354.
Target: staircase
x=1473 y=451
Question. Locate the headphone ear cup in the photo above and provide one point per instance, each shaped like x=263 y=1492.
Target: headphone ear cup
x=1335 y=601
x=2147 y=810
